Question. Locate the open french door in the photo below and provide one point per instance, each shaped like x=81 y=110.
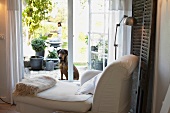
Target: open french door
x=98 y=34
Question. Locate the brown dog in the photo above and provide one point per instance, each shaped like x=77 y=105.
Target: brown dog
x=62 y=55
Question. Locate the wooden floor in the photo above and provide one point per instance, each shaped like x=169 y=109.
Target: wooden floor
x=7 y=108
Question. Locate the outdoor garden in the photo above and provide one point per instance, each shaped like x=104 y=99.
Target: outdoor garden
x=39 y=19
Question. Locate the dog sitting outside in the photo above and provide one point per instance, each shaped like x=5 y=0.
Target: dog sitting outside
x=63 y=65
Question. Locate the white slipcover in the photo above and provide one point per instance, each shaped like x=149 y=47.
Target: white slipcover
x=112 y=94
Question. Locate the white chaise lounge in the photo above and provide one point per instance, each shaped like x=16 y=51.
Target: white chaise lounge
x=112 y=93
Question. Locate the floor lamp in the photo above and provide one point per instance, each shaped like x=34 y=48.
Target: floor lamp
x=127 y=21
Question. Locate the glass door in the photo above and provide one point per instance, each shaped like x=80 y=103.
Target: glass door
x=98 y=34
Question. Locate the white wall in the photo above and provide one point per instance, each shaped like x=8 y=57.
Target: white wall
x=3 y=77
x=162 y=63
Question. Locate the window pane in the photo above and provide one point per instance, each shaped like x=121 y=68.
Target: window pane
x=97 y=5
x=97 y=24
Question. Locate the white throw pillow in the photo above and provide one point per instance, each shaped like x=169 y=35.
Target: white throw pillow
x=89 y=86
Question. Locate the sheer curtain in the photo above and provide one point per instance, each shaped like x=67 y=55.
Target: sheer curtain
x=14 y=45
x=119 y=8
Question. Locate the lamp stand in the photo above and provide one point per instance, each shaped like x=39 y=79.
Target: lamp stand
x=116 y=45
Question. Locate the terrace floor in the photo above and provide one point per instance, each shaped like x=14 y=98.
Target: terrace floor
x=55 y=73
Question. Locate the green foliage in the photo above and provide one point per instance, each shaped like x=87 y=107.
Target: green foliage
x=65 y=45
x=86 y=39
x=52 y=54
x=61 y=16
x=60 y=7
x=80 y=64
x=83 y=5
x=101 y=44
x=44 y=37
x=83 y=38
x=45 y=29
x=35 y=12
x=38 y=44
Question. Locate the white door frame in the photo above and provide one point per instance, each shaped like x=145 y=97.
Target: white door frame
x=70 y=40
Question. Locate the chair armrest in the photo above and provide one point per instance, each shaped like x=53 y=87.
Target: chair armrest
x=88 y=75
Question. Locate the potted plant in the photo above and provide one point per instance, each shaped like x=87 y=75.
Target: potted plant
x=94 y=48
x=39 y=45
x=52 y=53
x=52 y=56
x=97 y=62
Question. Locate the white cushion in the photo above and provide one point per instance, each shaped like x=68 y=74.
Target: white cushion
x=78 y=107
x=63 y=91
x=89 y=86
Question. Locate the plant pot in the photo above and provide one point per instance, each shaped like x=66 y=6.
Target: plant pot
x=99 y=65
x=36 y=62
x=40 y=53
x=94 y=48
x=49 y=65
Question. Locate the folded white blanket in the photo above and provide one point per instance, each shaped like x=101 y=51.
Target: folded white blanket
x=32 y=86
